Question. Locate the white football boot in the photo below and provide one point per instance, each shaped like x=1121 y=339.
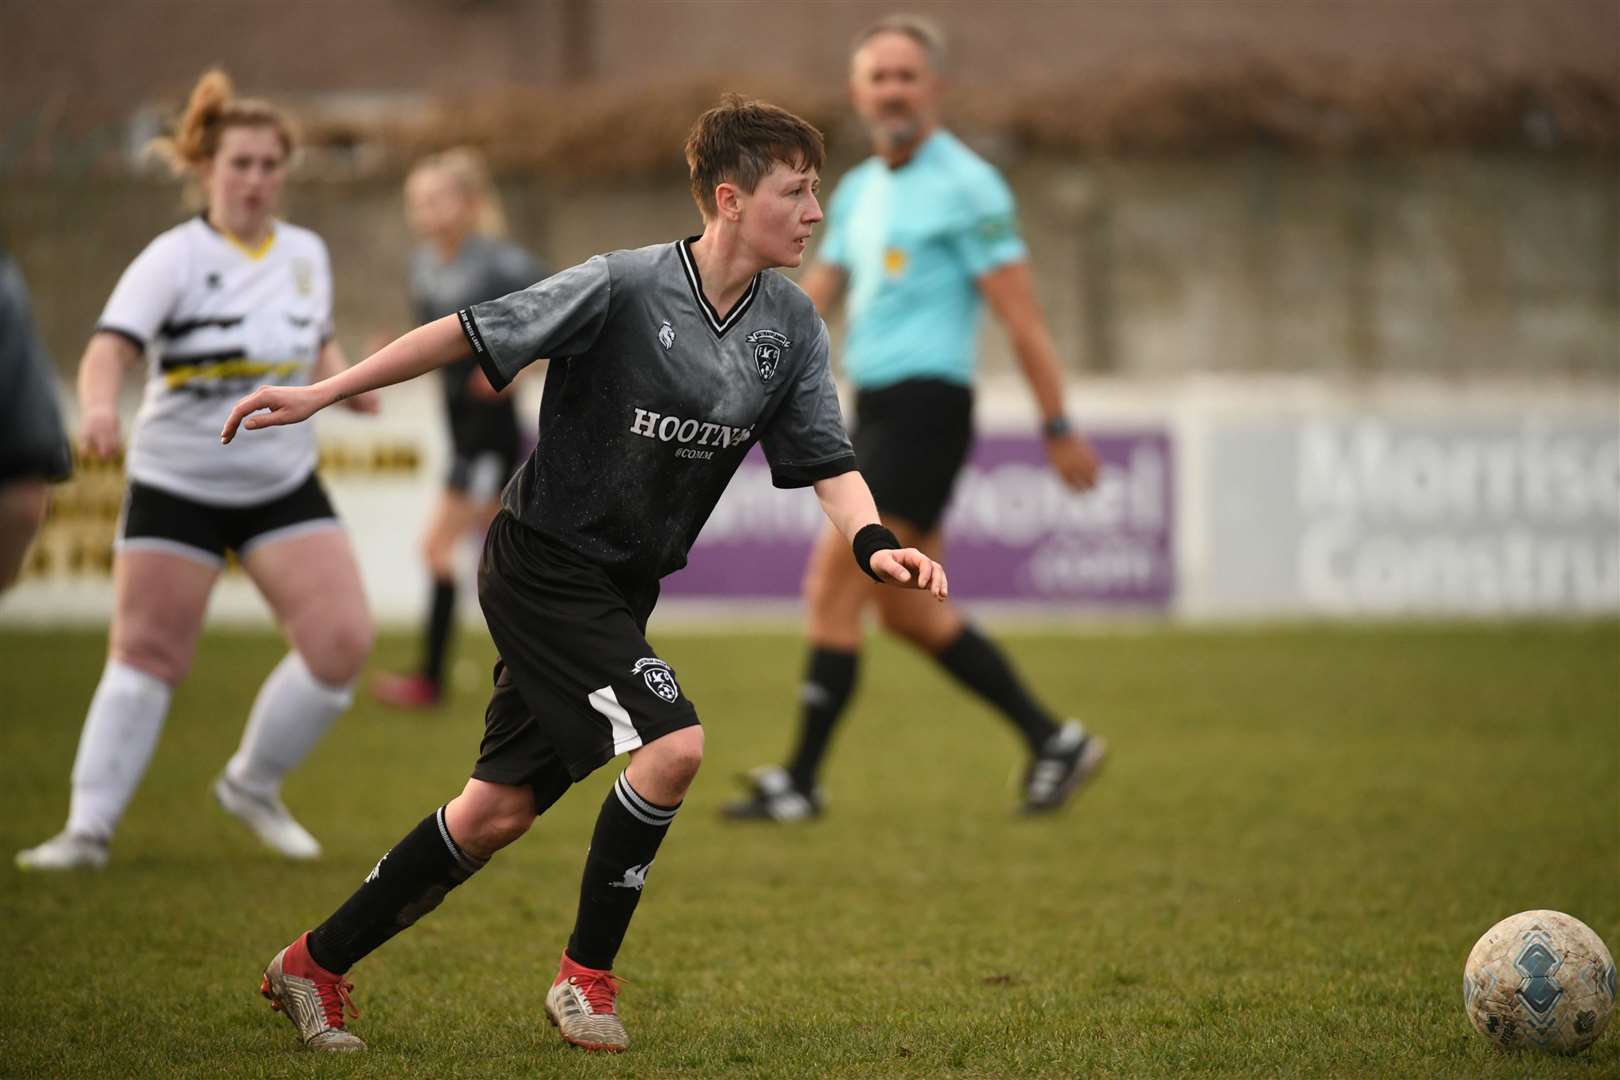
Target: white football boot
x=1069 y=758
x=268 y=819
x=311 y=997
x=772 y=797
x=581 y=1006
x=65 y=851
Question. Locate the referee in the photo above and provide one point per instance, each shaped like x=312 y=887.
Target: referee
x=919 y=237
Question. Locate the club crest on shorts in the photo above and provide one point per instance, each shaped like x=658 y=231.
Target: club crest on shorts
x=666 y=335
x=658 y=676
x=768 y=348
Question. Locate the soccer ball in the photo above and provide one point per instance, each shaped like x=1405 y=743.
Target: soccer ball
x=1541 y=979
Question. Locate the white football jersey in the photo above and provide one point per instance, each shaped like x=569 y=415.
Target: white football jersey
x=218 y=320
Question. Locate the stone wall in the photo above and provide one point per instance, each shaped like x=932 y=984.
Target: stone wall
x=1446 y=263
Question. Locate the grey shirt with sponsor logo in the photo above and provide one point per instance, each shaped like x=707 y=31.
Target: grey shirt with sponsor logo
x=653 y=398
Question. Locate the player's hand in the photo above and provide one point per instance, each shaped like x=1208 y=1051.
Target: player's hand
x=99 y=436
x=908 y=566
x=1074 y=460
x=367 y=404
x=286 y=405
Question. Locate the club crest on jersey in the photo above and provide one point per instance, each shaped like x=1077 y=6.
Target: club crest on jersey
x=768 y=348
x=666 y=335
x=658 y=676
x=303 y=276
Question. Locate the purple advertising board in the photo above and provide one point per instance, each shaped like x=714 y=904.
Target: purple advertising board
x=1013 y=531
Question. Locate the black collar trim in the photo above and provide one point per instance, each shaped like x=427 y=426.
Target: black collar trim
x=695 y=283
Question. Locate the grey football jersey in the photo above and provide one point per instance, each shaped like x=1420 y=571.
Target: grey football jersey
x=652 y=399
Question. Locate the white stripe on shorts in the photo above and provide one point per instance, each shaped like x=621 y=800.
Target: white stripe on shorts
x=625 y=735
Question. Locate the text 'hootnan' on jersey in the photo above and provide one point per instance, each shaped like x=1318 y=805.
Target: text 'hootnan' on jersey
x=653 y=398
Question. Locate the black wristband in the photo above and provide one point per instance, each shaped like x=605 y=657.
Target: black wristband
x=1057 y=427
x=868 y=542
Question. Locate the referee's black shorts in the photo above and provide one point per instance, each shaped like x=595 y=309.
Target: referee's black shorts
x=576 y=684
x=910 y=440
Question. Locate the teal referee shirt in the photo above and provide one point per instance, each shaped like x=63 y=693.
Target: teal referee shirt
x=913 y=241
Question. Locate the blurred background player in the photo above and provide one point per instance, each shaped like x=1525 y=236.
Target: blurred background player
x=463 y=259
x=227 y=300
x=34 y=449
x=918 y=237
x=668 y=363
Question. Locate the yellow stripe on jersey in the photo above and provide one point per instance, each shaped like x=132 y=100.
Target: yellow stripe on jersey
x=235 y=368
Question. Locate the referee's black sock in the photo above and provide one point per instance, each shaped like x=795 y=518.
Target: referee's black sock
x=828 y=684
x=407 y=883
x=441 y=614
x=628 y=832
x=982 y=668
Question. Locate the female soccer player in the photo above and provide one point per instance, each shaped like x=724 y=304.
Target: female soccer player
x=462 y=260
x=230 y=299
x=667 y=364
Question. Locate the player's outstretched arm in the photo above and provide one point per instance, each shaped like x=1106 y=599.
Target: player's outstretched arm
x=438 y=343
x=848 y=504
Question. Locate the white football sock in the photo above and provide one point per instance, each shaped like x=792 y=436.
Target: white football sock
x=120 y=732
x=291 y=713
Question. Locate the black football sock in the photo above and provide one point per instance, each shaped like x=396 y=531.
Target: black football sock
x=828 y=684
x=407 y=883
x=982 y=668
x=628 y=832
x=441 y=616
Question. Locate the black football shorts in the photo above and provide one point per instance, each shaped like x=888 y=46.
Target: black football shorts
x=576 y=683
x=910 y=440
x=157 y=520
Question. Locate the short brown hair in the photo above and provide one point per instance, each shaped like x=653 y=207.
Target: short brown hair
x=214 y=107
x=739 y=140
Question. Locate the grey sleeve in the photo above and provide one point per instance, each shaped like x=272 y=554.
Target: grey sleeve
x=560 y=316
x=33 y=441
x=805 y=440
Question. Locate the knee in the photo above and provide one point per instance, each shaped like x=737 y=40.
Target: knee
x=924 y=624
x=669 y=765
x=901 y=622
x=485 y=818
x=340 y=650
x=151 y=652
x=680 y=754
x=496 y=829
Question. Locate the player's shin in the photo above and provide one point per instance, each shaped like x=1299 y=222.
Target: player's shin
x=120 y=732
x=409 y=881
x=628 y=832
x=289 y=716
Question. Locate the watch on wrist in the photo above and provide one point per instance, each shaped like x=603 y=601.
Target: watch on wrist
x=1057 y=427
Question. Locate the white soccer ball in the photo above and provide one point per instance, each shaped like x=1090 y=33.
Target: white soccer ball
x=1541 y=979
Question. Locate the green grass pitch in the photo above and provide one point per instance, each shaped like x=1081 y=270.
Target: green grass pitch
x=1299 y=835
